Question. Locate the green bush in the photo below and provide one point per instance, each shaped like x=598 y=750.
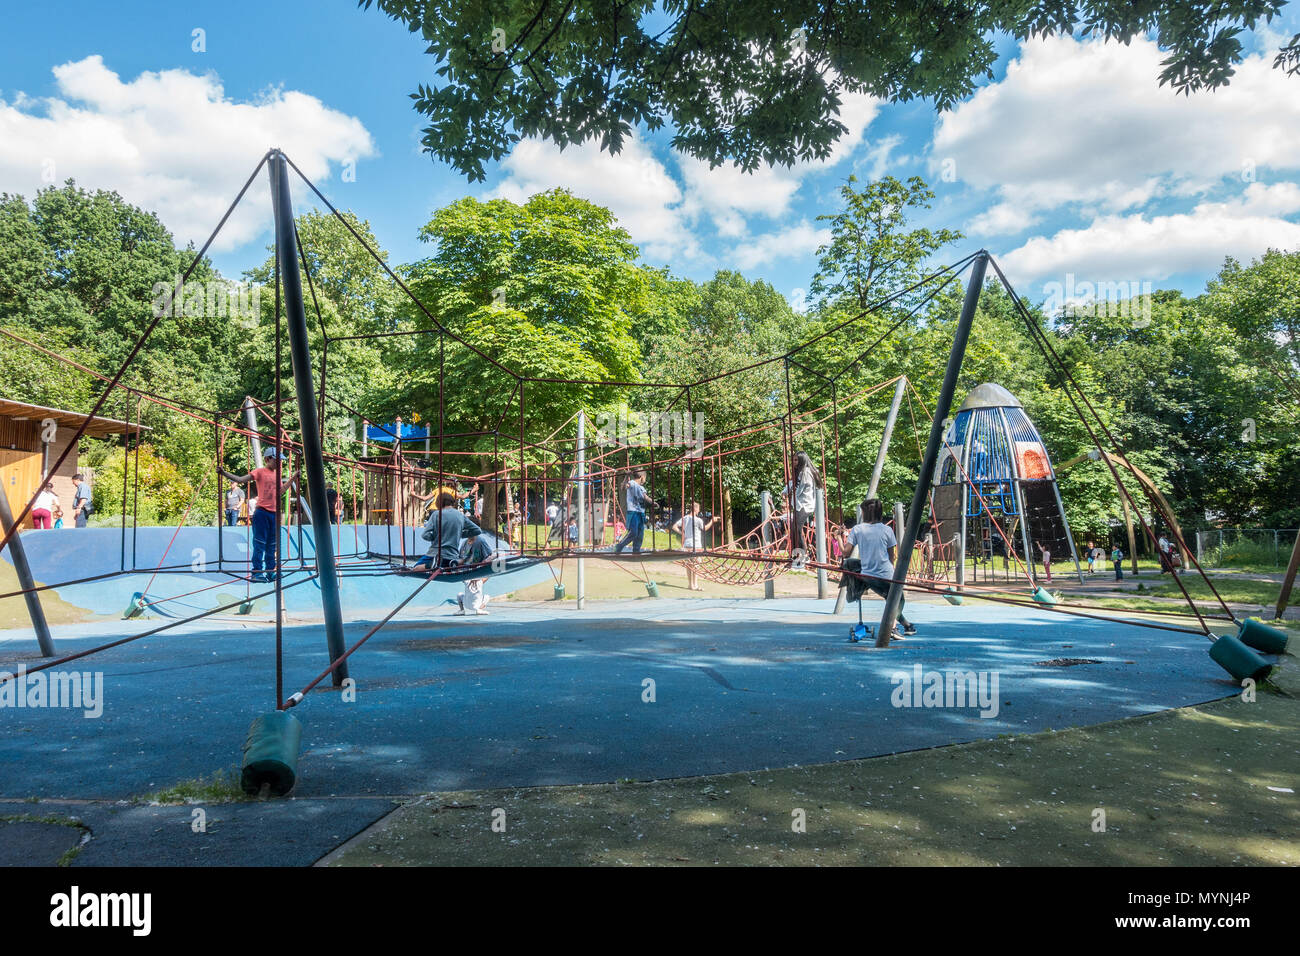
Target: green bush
x=1243 y=552
x=163 y=491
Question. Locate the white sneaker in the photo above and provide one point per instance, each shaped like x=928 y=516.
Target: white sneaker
x=481 y=610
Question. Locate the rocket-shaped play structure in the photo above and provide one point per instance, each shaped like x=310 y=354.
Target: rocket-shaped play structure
x=995 y=492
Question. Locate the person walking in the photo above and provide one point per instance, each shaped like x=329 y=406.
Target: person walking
x=635 y=503
x=82 y=506
x=266 y=517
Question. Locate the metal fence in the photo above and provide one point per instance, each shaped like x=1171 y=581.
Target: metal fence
x=1229 y=547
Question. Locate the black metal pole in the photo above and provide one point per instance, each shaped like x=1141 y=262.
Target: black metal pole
x=894 y=601
x=18 y=555
x=313 y=459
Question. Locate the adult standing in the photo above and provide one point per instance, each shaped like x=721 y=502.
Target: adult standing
x=47 y=502
x=691 y=527
x=266 y=517
x=82 y=507
x=636 y=502
x=807 y=480
x=1162 y=546
x=234 y=498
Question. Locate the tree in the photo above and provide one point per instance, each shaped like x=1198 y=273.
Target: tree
x=735 y=323
x=749 y=82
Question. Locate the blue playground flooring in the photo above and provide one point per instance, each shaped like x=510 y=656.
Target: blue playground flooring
x=543 y=694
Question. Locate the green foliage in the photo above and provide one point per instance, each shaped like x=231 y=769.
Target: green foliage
x=163 y=493
x=748 y=82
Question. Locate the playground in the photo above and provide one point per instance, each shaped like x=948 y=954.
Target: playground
x=322 y=633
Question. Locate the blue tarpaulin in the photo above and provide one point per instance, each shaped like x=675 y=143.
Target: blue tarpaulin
x=387 y=433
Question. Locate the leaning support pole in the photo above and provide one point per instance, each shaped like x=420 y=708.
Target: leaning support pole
x=313 y=460
x=1283 y=596
x=19 y=556
x=250 y=416
x=941 y=409
x=883 y=450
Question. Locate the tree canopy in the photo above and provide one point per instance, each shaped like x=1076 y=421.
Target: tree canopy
x=748 y=83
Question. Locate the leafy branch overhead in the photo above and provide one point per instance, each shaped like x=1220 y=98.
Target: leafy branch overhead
x=738 y=82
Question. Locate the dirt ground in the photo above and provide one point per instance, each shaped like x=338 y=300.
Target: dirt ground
x=1210 y=785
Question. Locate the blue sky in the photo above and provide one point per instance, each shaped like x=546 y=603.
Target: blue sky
x=1071 y=165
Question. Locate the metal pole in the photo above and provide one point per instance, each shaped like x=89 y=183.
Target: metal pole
x=582 y=507
x=250 y=416
x=923 y=482
x=819 y=517
x=889 y=433
x=1283 y=596
x=19 y=557
x=313 y=459
x=765 y=509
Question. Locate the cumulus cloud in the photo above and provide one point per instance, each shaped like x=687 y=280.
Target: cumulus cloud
x=633 y=184
x=798 y=240
x=171 y=142
x=667 y=208
x=1086 y=125
x=1152 y=248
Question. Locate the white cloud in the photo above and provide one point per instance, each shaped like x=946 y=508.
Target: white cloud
x=1137 y=247
x=798 y=240
x=172 y=143
x=1087 y=123
x=633 y=184
x=666 y=213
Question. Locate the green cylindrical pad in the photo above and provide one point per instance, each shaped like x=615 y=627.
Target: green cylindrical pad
x=1270 y=640
x=1238 y=659
x=271 y=753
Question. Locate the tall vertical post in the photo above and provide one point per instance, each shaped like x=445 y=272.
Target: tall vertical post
x=819 y=519
x=25 y=581
x=765 y=508
x=582 y=507
x=883 y=450
x=250 y=417
x=942 y=406
x=313 y=458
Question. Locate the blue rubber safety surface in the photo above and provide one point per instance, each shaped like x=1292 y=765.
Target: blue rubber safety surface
x=544 y=694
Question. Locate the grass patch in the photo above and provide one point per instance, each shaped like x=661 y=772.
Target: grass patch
x=222 y=787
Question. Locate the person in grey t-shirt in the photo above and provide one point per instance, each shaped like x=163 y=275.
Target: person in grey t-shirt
x=876 y=545
x=443 y=530
x=81 y=506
